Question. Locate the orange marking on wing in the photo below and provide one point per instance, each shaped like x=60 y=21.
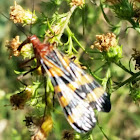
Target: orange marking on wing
x=65 y=63
x=63 y=101
x=84 y=79
x=55 y=71
x=57 y=89
x=71 y=86
x=70 y=119
x=98 y=92
x=90 y=97
x=47 y=62
x=66 y=60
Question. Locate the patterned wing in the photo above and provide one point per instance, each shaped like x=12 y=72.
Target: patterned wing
x=90 y=90
x=77 y=92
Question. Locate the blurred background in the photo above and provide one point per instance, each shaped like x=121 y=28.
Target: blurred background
x=122 y=123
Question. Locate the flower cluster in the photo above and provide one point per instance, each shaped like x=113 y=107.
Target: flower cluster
x=108 y=46
x=18 y=100
x=12 y=46
x=19 y=15
x=104 y=42
x=67 y=135
x=77 y=3
x=39 y=127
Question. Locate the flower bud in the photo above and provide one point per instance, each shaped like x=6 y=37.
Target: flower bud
x=113 y=54
x=12 y=46
x=19 y=15
x=107 y=45
x=77 y=3
x=29 y=17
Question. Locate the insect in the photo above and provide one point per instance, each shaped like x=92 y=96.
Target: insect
x=78 y=93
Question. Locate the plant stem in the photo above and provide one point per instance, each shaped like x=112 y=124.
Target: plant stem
x=102 y=131
x=73 y=36
x=91 y=137
x=132 y=78
x=135 y=26
x=123 y=67
x=100 y=68
x=67 y=20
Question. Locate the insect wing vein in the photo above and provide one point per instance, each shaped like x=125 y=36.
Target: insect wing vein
x=90 y=90
x=77 y=92
x=78 y=112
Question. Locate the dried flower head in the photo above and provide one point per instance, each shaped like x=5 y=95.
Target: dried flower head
x=26 y=51
x=18 y=100
x=33 y=124
x=136 y=57
x=12 y=46
x=68 y=135
x=17 y=13
x=108 y=46
x=104 y=42
x=39 y=127
x=77 y=3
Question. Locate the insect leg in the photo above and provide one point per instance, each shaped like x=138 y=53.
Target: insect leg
x=33 y=69
x=23 y=43
x=24 y=63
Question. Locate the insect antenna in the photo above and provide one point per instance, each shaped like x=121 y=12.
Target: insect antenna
x=32 y=17
x=18 y=26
